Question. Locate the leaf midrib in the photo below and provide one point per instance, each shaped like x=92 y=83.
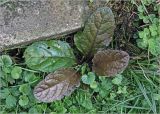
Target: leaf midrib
x=94 y=40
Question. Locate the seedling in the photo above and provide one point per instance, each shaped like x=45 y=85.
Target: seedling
x=57 y=56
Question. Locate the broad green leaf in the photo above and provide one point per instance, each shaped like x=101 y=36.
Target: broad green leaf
x=110 y=62
x=97 y=33
x=48 y=56
x=11 y=101
x=23 y=100
x=5 y=60
x=57 y=85
x=16 y=72
x=88 y=78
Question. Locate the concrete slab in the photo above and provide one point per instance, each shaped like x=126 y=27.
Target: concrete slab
x=23 y=21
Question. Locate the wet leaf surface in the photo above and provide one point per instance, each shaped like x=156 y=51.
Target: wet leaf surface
x=110 y=62
x=57 y=85
x=48 y=56
x=97 y=33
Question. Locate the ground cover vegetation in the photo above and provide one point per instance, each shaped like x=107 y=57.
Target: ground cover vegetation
x=111 y=66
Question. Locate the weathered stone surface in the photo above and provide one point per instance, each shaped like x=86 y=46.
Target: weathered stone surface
x=22 y=21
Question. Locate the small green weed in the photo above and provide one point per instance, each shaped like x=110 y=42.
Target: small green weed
x=136 y=90
x=19 y=95
x=149 y=29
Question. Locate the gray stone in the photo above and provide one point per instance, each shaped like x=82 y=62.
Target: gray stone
x=23 y=21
